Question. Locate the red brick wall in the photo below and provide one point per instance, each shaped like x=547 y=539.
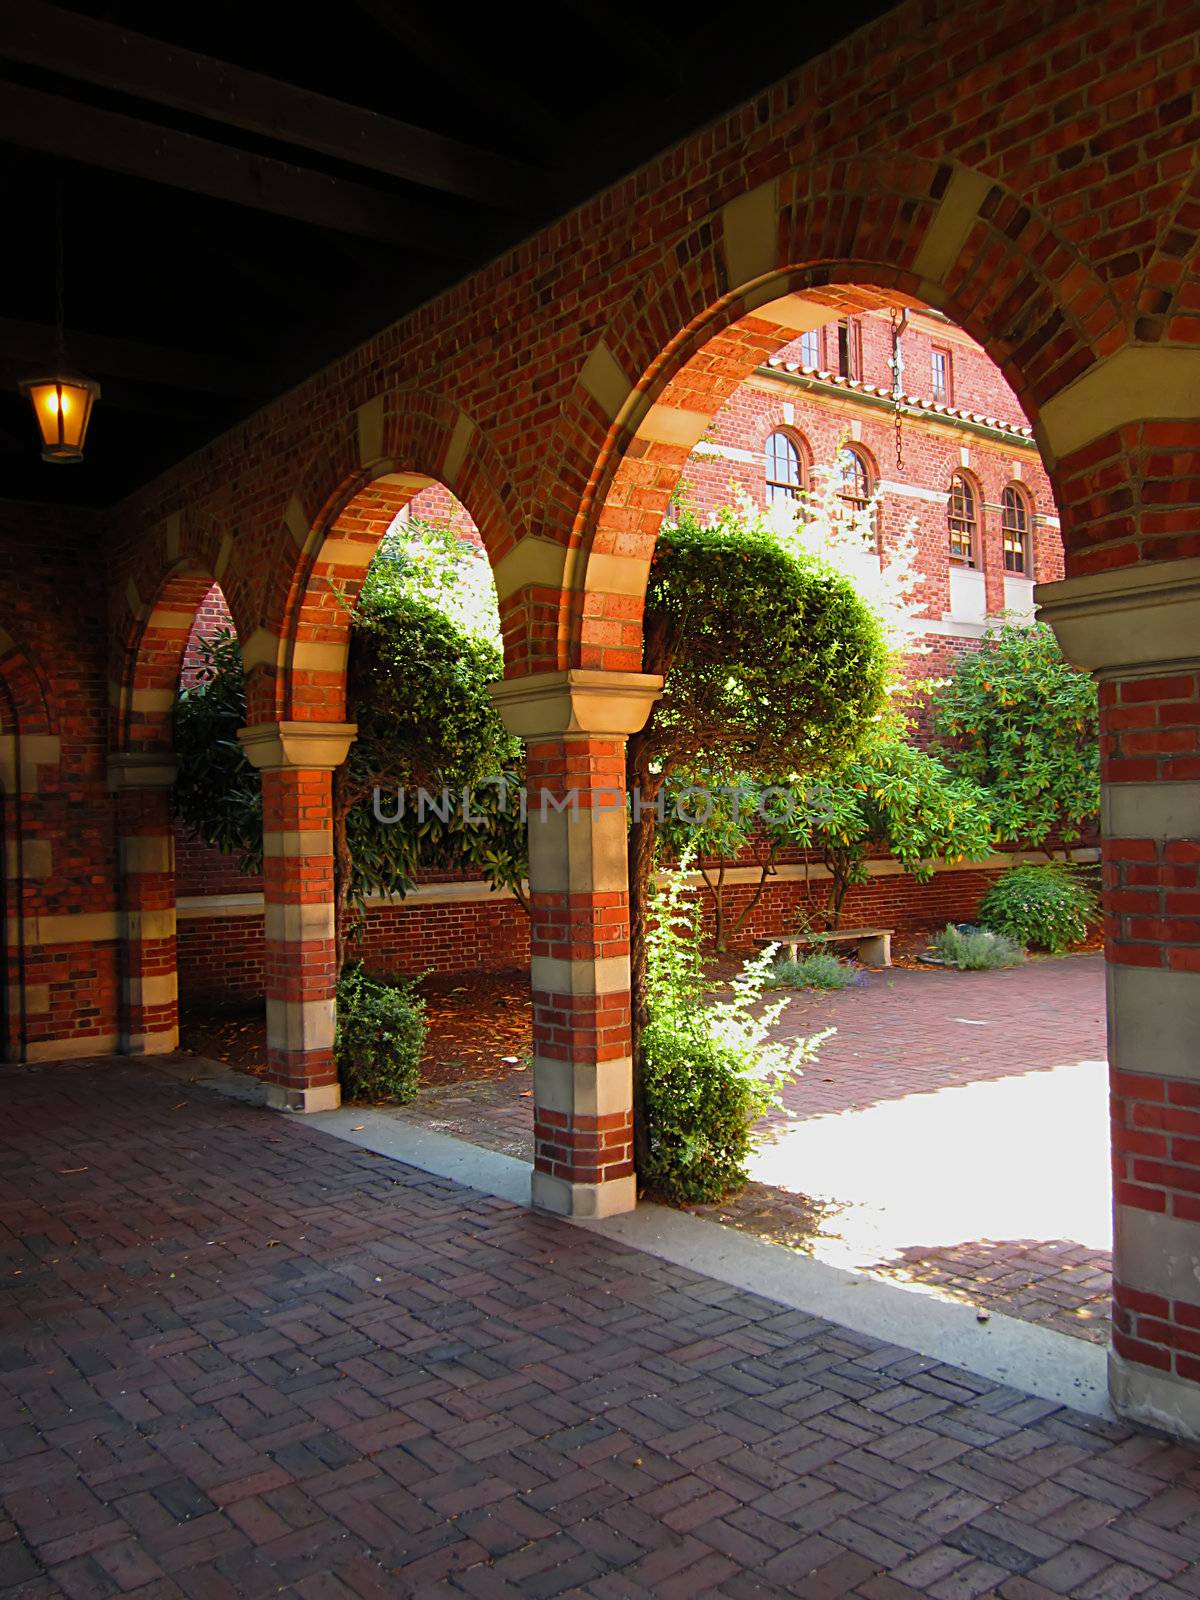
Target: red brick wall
x=212 y=615
x=221 y=956
x=52 y=683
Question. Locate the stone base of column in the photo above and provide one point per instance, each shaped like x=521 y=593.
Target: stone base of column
x=562 y=1198
x=284 y=1097
x=1154 y=1399
x=163 y=1043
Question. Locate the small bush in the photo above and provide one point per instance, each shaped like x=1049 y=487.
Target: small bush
x=976 y=949
x=1045 y=907
x=380 y=1037
x=708 y=1070
x=821 y=970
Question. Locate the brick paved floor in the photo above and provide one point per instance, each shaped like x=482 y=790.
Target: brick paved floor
x=883 y=1157
x=239 y=1358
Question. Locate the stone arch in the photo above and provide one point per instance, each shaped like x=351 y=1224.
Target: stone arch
x=152 y=659
x=798 y=250
x=25 y=703
x=377 y=461
x=177 y=565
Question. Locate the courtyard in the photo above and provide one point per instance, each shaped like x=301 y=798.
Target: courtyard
x=887 y=1155
x=242 y=1358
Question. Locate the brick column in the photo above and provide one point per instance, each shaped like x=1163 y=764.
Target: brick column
x=296 y=760
x=575 y=724
x=149 y=1000
x=1138 y=630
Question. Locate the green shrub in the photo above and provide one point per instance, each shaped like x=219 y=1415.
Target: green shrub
x=708 y=1070
x=380 y=1037
x=1045 y=907
x=976 y=950
x=821 y=970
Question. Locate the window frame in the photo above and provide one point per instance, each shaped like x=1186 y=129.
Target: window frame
x=856 y=453
x=946 y=397
x=968 y=560
x=1017 y=493
x=778 y=489
x=817 y=336
x=850 y=356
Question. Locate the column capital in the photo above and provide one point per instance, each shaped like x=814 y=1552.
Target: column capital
x=140 y=769
x=579 y=701
x=277 y=746
x=1127 y=621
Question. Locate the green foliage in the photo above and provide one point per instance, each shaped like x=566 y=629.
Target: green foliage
x=891 y=796
x=820 y=970
x=380 y=1037
x=217 y=795
x=1023 y=724
x=1047 y=907
x=419 y=693
x=709 y=1071
x=979 y=950
x=431 y=561
x=424 y=648
x=772 y=662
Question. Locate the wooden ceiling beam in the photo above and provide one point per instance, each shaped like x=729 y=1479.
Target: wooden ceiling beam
x=69 y=128
x=75 y=46
x=33 y=343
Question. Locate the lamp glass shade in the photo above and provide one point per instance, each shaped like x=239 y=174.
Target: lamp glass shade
x=63 y=407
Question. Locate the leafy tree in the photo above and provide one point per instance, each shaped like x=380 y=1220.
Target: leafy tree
x=891 y=796
x=418 y=690
x=1021 y=722
x=818 y=526
x=718 y=826
x=771 y=665
x=217 y=794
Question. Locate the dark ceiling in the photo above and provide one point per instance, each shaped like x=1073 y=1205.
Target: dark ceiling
x=248 y=189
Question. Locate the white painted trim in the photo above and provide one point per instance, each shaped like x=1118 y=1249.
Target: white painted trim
x=912 y=491
x=192 y=908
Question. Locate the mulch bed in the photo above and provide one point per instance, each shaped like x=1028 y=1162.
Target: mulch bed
x=480 y=1026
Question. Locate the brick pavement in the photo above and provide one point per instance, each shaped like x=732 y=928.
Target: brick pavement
x=901 y=1034
x=239 y=1358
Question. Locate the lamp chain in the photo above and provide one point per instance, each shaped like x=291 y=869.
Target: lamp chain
x=59 y=319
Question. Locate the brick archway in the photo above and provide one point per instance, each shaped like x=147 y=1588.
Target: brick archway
x=153 y=659
x=141 y=771
x=382 y=455
x=773 y=262
x=25 y=704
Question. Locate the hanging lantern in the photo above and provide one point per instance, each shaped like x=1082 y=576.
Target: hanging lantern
x=63 y=401
x=63 y=407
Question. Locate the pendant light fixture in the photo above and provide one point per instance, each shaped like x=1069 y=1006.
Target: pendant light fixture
x=63 y=400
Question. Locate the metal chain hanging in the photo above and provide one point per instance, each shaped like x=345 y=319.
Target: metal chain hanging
x=897 y=366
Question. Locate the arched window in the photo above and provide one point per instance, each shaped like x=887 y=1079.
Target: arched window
x=962 y=520
x=1014 y=523
x=853 y=478
x=785 y=468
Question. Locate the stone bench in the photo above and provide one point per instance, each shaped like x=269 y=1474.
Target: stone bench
x=872 y=946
